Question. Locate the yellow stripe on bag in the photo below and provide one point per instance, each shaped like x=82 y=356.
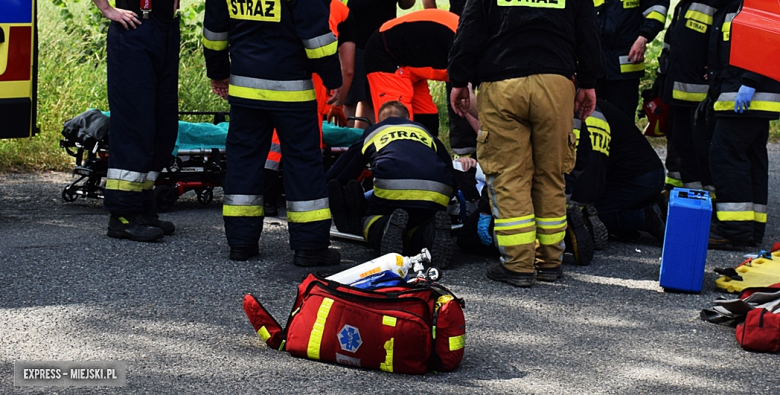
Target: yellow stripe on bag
x=263 y=333
x=315 y=339
x=388 y=320
x=387 y=365
x=457 y=342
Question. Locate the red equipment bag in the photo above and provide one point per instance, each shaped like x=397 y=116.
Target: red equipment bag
x=760 y=331
x=657 y=115
x=405 y=329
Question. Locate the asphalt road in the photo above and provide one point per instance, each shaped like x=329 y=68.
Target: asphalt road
x=172 y=311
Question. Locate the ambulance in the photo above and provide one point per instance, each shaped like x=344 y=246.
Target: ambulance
x=18 y=68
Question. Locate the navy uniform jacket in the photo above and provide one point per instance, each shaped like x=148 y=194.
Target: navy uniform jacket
x=621 y=23
x=725 y=80
x=269 y=48
x=685 y=45
x=411 y=168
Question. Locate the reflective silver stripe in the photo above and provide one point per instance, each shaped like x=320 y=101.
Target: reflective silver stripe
x=657 y=8
x=598 y=115
x=759 y=208
x=691 y=88
x=674 y=174
x=215 y=36
x=730 y=16
x=464 y=151
x=404 y=125
x=126 y=175
x=528 y=221
x=152 y=175
x=242 y=200
x=271 y=165
x=624 y=60
x=424 y=185
x=758 y=96
x=692 y=185
x=319 y=41
x=667 y=46
x=735 y=206
x=276 y=148
x=307 y=205
x=704 y=9
x=547 y=222
x=273 y=85
x=577 y=124
x=710 y=189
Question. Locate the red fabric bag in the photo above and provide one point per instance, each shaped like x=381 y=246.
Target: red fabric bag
x=760 y=331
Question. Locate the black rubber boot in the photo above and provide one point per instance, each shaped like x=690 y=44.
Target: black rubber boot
x=133 y=227
x=578 y=240
x=393 y=237
x=504 y=275
x=438 y=240
x=320 y=257
x=154 y=220
x=243 y=252
x=596 y=228
x=549 y=275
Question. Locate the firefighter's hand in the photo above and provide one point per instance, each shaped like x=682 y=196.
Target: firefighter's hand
x=585 y=103
x=123 y=17
x=483 y=229
x=334 y=96
x=336 y=116
x=460 y=101
x=637 y=52
x=744 y=97
x=220 y=87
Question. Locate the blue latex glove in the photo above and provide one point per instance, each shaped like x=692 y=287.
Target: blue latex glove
x=483 y=229
x=744 y=96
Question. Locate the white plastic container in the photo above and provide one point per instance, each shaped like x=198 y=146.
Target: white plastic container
x=397 y=263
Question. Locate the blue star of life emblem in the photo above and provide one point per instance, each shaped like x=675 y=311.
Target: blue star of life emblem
x=349 y=338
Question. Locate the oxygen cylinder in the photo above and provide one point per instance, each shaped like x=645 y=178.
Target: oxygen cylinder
x=393 y=262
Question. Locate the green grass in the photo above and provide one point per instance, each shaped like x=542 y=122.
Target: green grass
x=72 y=78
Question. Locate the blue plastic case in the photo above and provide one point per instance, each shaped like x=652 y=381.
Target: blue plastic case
x=685 y=240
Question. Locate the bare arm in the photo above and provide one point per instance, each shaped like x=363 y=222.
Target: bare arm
x=124 y=17
x=347 y=59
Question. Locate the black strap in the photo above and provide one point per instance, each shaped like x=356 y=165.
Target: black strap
x=730 y=273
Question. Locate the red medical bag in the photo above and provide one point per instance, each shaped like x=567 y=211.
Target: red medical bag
x=404 y=329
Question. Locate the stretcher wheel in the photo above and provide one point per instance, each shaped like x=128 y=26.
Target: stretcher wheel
x=164 y=197
x=205 y=195
x=68 y=195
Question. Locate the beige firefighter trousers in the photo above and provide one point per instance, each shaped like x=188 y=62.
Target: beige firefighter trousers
x=524 y=147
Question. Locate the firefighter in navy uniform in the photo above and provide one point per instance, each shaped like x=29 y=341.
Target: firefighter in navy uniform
x=412 y=185
x=744 y=103
x=686 y=86
x=260 y=57
x=626 y=28
x=143 y=79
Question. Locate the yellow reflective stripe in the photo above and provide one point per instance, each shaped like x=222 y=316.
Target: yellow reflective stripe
x=368 y=224
x=457 y=342
x=15 y=89
x=514 y=219
x=321 y=52
x=754 y=106
x=516 y=239
x=699 y=16
x=271 y=95
x=387 y=365
x=759 y=217
x=242 y=211
x=308 y=216
x=126 y=186
x=149 y=184
x=626 y=66
x=514 y=223
x=597 y=3
x=555 y=226
x=597 y=123
x=514 y=226
x=412 y=194
x=558 y=4
x=674 y=182
x=550 y=239
x=214 y=45
x=655 y=15
x=388 y=320
x=690 y=96
x=315 y=338
x=736 y=215
x=387 y=134
x=263 y=333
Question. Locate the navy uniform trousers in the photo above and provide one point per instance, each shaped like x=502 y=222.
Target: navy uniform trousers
x=143 y=83
x=247 y=146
